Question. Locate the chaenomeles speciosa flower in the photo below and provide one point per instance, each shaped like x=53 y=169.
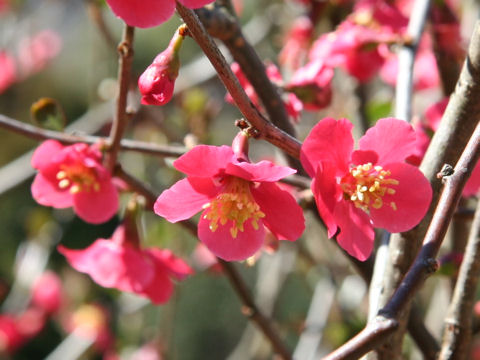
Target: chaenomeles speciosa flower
x=120 y=263
x=238 y=198
x=73 y=176
x=357 y=190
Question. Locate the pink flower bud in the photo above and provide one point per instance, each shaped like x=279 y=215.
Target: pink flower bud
x=157 y=82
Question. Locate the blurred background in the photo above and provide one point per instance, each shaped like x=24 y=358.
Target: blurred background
x=66 y=51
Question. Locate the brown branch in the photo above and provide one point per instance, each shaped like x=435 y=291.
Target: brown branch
x=37 y=133
x=265 y=128
x=458 y=323
x=251 y=310
x=456 y=127
x=125 y=51
x=222 y=24
x=425 y=264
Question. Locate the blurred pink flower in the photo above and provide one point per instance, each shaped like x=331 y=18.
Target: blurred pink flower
x=8 y=75
x=119 y=263
x=149 y=13
x=312 y=85
x=238 y=199
x=157 y=82
x=47 y=292
x=36 y=51
x=292 y=104
x=74 y=176
x=296 y=43
x=370 y=187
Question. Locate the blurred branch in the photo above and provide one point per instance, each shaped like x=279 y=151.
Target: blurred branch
x=94 y=11
x=406 y=59
x=386 y=322
x=266 y=130
x=125 y=51
x=458 y=322
x=37 y=133
x=251 y=310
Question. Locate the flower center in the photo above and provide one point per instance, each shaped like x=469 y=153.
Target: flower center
x=78 y=178
x=366 y=185
x=234 y=204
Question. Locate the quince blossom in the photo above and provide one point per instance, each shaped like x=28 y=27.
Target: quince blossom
x=119 y=263
x=74 y=176
x=157 y=82
x=370 y=187
x=149 y=13
x=238 y=198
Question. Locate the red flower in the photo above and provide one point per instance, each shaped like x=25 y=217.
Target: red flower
x=157 y=82
x=8 y=75
x=47 y=292
x=148 y=13
x=370 y=187
x=238 y=199
x=118 y=263
x=74 y=176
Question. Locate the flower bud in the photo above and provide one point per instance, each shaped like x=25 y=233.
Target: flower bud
x=157 y=82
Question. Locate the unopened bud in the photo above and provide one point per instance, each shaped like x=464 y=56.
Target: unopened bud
x=157 y=82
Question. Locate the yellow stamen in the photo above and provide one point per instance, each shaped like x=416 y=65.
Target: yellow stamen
x=366 y=186
x=236 y=204
x=77 y=178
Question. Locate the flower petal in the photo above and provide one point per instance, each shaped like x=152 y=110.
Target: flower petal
x=204 y=160
x=222 y=244
x=112 y=265
x=97 y=206
x=42 y=156
x=146 y=14
x=412 y=199
x=261 y=171
x=329 y=141
x=47 y=193
x=283 y=216
x=356 y=235
x=392 y=139
x=175 y=266
x=185 y=198
x=327 y=194
x=160 y=288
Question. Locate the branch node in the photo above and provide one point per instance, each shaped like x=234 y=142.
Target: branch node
x=447 y=170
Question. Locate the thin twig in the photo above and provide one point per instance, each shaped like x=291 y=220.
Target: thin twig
x=125 y=50
x=266 y=130
x=458 y=323
x=37 y=133
x=251 y=310
x=375 y=333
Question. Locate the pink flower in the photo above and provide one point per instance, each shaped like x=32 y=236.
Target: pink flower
x=8 y=75
x=370 y=187
x=238 y=200
x=148 y=13
x=74 y=176
x=118 y=263
x=312 y=85
x=47 y=292
x=157 y=82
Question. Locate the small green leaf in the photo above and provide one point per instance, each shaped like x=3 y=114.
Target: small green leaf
x=47 y=113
